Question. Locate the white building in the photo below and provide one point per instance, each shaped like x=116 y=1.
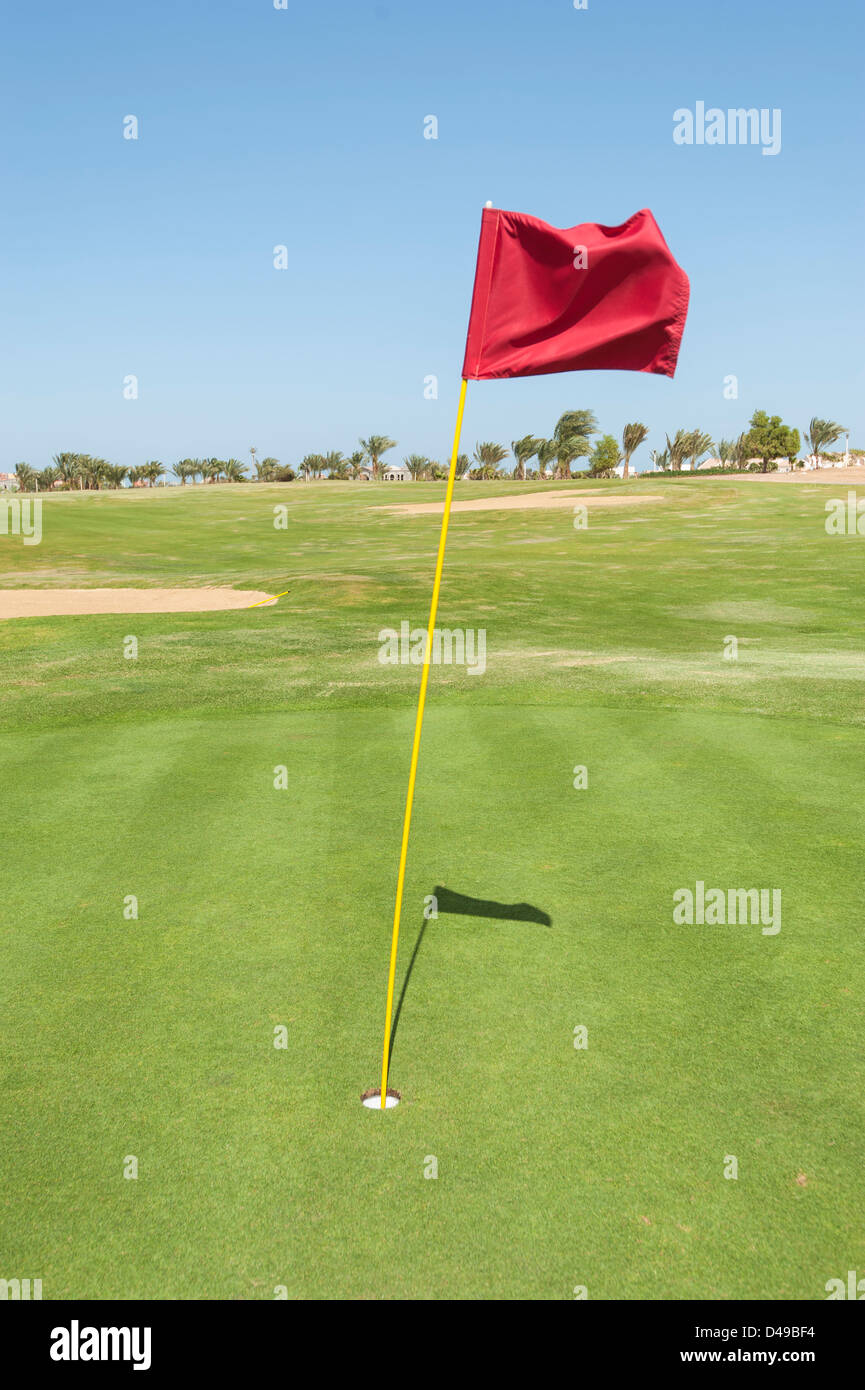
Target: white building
x=396 y=473
x=390 y=472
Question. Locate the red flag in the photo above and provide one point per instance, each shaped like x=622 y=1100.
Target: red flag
x=552 y=299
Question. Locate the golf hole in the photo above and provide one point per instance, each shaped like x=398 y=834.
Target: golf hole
x=372 y=1099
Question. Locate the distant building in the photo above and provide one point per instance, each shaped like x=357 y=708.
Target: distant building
x=390 y=473
x=8 y=482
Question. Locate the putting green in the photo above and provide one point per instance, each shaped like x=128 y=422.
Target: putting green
x=261 y=909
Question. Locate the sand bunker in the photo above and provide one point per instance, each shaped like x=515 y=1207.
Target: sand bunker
x=838 y=476
x=54 y=603
x=559 y=498
x=524 y=501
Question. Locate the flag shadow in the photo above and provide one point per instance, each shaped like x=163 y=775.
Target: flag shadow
x=459 y=905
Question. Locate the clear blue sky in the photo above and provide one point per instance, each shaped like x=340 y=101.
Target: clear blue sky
x=304 y=127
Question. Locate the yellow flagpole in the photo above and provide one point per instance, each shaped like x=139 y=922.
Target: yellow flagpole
x=418 y=724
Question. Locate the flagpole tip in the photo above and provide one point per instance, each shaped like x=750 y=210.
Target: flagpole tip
x=489 y=204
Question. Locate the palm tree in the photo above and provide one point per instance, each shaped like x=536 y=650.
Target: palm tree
x=731 y=452
x=576 y=422
x=738 y=451
x=677 y=449
x=312 y=463
x=181 y=470
x=488 y=456
x=84 y=474
x=522 y=450
x=568 y=448
x=68 y=467
x=417 y=465
x=235 y=471
x=48 y=477
x=266 y=470
x=89 y=471
x=572 y=438
x=211 y=469
x=820 y=434
x=547 y=450
x=632 y=437
x=114 y=474
x=374 y=447
x=335 y=464
x=27 y=480
x=154 y=470
x=698 y=444
x=354 y=462
x=741 y=450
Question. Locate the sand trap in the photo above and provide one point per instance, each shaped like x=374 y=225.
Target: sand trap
x=524 y=501
x=55 y=603
x=838 y=476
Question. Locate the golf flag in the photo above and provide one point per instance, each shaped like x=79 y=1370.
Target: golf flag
x=550 y=299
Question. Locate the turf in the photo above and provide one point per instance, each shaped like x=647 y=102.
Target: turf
x=260 y=907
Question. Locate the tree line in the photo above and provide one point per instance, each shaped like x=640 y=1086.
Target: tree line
x=766 y=440
x=83 y=472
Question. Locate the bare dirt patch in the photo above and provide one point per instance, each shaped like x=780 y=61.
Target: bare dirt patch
x=55 y=603
x=524 y=502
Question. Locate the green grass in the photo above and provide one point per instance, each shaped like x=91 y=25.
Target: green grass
x=258 y=1167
